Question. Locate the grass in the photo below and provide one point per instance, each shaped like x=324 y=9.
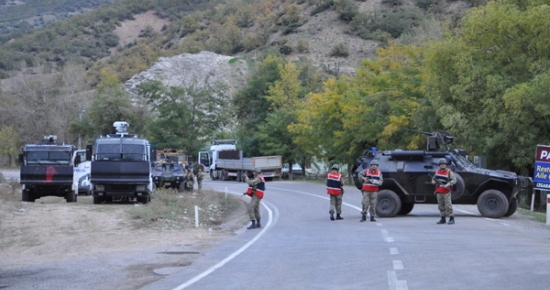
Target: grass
x=537 y=216
x=172 y=209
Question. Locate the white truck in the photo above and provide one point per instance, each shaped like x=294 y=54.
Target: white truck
x=81 y=176
x=223 y=161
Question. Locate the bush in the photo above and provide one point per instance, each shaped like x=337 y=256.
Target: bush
x=322 y=7
x=252 y=41
x=346 y=9
x=394 y=22
x=340 y=50
x=303 y=45
x=285 y=49
x=425 y=4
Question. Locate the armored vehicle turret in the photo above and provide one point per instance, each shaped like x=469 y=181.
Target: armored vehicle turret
x=407 y=179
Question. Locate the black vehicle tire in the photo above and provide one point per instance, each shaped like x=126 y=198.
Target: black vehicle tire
x=512 y=208
x=223 y=175
x=388 y=203
x=212 y=174
x=108 y=199
x=458 y=188
x=239 y=176
x=26 y=196
x=70 y=197
x=406 y=208
x=98 y=199
x=492 y=204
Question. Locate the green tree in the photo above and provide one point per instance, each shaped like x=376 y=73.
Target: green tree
x=9 y=144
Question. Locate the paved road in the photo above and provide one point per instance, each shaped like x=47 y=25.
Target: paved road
x=300 y=248
x=10 y=173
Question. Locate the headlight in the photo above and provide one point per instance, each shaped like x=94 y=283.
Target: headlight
x=100 y=187
x=140 y=188
x=156 y=178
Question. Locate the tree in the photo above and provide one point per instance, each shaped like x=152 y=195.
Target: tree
x=9 y=144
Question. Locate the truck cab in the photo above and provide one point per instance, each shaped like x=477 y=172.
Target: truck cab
x=208 y=159
x=81 y=176
x=121 y=167
x=47 y=170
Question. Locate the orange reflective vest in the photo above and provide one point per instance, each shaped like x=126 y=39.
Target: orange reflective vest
x=375 y=175
x=260 y=188
x=444 y=177
x=334 y=184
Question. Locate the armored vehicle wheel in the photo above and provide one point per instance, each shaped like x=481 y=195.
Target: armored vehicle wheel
x=406 y=208
x=388 y=203
x=98 y=199
x=71 y=196
x=27 y=196
x=512 y=208
x=492 y=203
x=458 y=188
x=108 y=199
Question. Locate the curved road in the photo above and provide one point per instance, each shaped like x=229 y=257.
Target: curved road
x=300 y=248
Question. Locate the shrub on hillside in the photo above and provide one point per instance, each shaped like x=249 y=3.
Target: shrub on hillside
x=325 y=5
x=340 y=50
x=303 y=46
x=395 y=22
x=252 y=41
x=346 y=9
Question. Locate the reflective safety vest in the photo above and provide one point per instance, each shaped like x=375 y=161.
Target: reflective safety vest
x=443 y=177
x=260 y=188
x=334 y=184
x=374 y=175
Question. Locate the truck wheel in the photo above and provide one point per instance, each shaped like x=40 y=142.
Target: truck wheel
x=492 y=203
x=239 y=176
x=512 y=208
x=71 y=196
x=458 y=188
x=388 y=203
x=98 y=199
x=406 y=208
x=223 y=175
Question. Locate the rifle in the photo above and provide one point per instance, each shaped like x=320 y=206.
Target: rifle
x=437 y=181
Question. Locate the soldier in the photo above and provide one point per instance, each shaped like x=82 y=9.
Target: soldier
x=199 y=177
x=335 y=189
x=372 y=179
x=189 y=179
x=445 y=179
x=256 y=189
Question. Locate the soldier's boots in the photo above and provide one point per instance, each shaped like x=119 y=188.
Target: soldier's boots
x=372 y=219
x=451 y=221
x=252 y=226
x=338 y=217
x=331 y=215
x=441 y=221
x=258 y=225
x=363 y=218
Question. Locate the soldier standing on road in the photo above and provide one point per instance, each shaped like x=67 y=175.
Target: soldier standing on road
x=256 y=189
x=197 y=170
x=189 y=179
x=372 y=179
x=443 y=190
x=335 y=189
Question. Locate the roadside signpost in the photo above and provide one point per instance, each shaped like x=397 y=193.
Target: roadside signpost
x=542 y=174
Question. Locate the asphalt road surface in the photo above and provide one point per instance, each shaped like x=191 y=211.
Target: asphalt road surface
x=300 y=248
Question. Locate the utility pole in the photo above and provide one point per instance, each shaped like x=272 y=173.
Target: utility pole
x=80 y=121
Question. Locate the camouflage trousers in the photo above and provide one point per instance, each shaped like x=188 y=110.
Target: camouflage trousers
x=336 y=203
x=369 y=202
x=199 y=183
x=254 y=208
x=444 y=204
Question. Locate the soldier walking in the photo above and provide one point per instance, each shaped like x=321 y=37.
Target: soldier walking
x=444 y=179
x=189 y=179
x=335 y=190
x=372 y=179
x=256 y=189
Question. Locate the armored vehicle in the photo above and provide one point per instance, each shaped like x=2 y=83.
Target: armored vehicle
x=169 y=175
x=121 y=167
x=407 y=179
x=47 y=170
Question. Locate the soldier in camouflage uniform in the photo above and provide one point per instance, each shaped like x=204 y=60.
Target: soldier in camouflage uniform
x=189 y=179
x=444 y=179
x=256 y=189
x=335 y=189
x=198 y=172
x=372 y=179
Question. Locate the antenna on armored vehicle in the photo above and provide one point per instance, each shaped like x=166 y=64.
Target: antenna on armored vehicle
x=436 y=139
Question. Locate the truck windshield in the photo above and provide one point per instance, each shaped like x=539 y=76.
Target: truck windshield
x=48 y=157
x=132 y=152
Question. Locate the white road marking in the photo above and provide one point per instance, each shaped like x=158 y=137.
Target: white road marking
x=385 y=236
x=316 y=195
x=394 y=251
x=394 y=283
x=397 y=265
x=232 y=256
x=465 y=211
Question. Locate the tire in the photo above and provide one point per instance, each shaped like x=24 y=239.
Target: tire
x=212 y=174
x=223 y=175
x=98 y=199
x=26 y=196
x=388 y=203
x=71 y=196
x=406 y=208
x=512 y=208
x=239 y=176
x=458 y=188
x=492 y=204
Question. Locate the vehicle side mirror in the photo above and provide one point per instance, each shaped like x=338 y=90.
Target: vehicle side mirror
x=20 y=159
x=77 y=160
x=89 y=152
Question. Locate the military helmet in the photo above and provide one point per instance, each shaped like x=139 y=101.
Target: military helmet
x=442 y=161
x=374 y=162
x=257 y=169
x=335 y=166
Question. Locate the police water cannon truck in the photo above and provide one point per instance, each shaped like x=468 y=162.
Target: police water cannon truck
x=407 y=179
x=223 y=161
x=47 y=170
x=121 y=167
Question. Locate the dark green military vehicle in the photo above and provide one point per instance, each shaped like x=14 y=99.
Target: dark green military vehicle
x=407 y=179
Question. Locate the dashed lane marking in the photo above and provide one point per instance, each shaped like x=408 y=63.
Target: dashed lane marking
x=394 y=251
x=397 y=265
